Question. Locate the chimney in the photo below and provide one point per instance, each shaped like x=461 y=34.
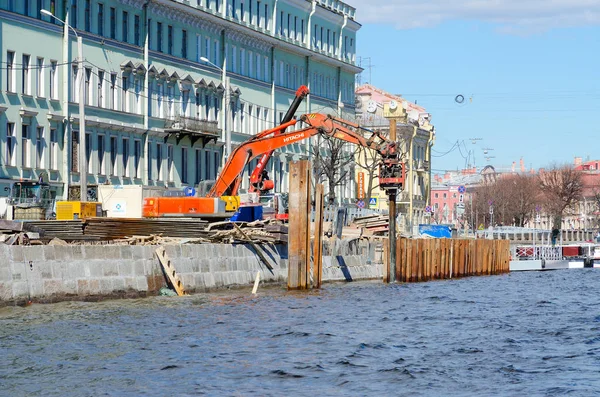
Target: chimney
x=577 y=161
x=522 y=164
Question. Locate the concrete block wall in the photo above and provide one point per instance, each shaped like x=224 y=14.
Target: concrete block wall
x=53 y=273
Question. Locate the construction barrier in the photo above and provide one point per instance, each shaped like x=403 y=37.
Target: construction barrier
x=429 y=259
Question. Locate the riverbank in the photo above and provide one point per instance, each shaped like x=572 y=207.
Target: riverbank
x=52 y=273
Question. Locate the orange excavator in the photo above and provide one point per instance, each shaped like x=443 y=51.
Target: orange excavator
x=391 y=168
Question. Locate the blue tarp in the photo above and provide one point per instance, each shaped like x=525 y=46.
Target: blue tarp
x=439 y=231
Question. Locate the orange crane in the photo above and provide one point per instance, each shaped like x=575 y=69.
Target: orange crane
x=391 y=168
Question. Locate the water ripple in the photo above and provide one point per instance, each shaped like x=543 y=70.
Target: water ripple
x=530 y=333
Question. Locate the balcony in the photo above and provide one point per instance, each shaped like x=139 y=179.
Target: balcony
x=193 y=128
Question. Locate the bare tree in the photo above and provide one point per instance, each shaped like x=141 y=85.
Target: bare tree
x=331 y=166
x=370 y=164
x=561 y=189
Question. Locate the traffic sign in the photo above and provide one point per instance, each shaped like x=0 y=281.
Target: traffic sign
x=189 y=191
x=461 y=198
x=461 y=189
x=360 y=204
x=428 y=208
x=373 y=201
x=491 y=210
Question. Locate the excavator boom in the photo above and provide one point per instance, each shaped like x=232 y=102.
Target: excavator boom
x=391 y=169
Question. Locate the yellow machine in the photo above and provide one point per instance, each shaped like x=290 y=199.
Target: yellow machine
x=69 y=210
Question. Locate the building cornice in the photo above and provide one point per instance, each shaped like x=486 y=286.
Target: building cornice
x=215 y=24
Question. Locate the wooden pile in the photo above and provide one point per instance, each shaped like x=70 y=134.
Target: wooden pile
x=373 y=224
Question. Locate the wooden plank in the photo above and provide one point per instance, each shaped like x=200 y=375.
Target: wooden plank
x=172 y=277
x=299 y=240
x=294 y=223
x=318 y=241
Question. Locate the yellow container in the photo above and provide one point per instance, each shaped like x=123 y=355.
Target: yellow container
x=232 y=203
x=69 y=210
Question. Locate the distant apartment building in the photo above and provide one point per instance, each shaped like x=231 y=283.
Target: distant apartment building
x=158 y=76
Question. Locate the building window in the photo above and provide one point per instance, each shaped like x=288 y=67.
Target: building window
x=114 y=147
x=26 y=86
x=184 y=43
x=149 y=162
x=53 y=80
x=53 y=149
x=101 y=151
x=170 y=162
x=170 y=40
x=39 y=148
x=25 y=146
x=136 y=30
x=88 y=16
x=88 y=92
x=11 y=143
x=184 y=165
x=159 y=36
x=101 y=19
x=207 y=174
x=125 y=157
x=159 y=161
x=100 y=93
x=10 y=71
x=73 y=14
x=74 y=151
x=125 y=26
x=197 y=163
x=137 y=158
x=124 y=101
x=113 y=92
x=40 y=78
x=113 y=23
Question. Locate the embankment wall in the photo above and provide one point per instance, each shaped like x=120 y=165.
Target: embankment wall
x=52 y=273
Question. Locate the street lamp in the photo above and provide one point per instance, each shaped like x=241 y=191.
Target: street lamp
x=225 y=106
x=82 y=138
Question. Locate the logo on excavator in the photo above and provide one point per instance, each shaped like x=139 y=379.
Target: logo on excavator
x=293 y=137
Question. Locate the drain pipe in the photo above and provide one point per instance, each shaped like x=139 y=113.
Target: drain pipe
x=146 y=90
x=309 y=30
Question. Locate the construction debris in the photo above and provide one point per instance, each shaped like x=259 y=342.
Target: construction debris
x=373 y=224
x=128 y=231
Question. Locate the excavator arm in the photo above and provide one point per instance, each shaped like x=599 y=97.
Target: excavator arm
x=391 y=172
x=259 y=178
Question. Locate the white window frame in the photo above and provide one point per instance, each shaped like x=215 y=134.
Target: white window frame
x=125 y=156
x=53 y=79
x=10 y=158
x=101 y=153
x=11 y=72
x=40 y=78
x=39 y=146
x=53 y=149
x=26 y=146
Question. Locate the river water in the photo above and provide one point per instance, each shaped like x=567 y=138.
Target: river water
x=531 y=333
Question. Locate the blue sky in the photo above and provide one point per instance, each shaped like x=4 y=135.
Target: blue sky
x=529 y=71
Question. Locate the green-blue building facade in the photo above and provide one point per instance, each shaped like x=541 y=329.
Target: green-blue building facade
x=157 y=75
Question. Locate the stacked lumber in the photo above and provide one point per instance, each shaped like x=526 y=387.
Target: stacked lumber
x=373 y=224
x=65 y=230
x=278 y=231
x=132 y=231
x=118 y=228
